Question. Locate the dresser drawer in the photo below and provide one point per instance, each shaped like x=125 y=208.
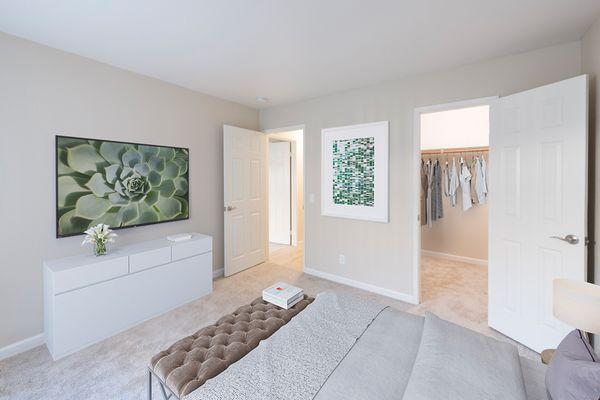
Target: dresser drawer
x=89 y=274
x=149 y=259
x=190 y=248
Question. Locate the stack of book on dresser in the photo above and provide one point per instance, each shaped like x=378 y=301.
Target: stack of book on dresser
x=283 y=295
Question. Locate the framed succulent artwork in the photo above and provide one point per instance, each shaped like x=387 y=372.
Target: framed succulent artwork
x=354 y=181
x=119 y=184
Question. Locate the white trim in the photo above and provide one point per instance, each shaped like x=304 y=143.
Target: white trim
x=416 y=206
x=454 y=257
x=285 y=129
x=482 y=101
x=21 y=346
x=416 y=231
x=294 y=171
x=361 y=285
x=218 y=273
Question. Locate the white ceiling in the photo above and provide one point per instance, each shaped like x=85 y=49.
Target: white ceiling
x=292 y=50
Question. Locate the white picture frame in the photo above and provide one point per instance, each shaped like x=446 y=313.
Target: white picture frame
x=370 y=201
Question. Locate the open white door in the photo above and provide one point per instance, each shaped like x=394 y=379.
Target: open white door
x=245 y=170
x=538 y=206
x=280 y=192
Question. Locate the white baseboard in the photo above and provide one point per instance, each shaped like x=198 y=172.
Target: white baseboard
x=454 y=257
x=21 y=346
x=361 y=285
x=218 y=273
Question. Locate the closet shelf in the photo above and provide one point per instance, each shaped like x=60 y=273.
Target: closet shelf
x=457 y=150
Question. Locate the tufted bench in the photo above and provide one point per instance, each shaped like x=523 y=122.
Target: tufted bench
x=193 y=360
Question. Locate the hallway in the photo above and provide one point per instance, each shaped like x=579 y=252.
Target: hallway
x=287 y=256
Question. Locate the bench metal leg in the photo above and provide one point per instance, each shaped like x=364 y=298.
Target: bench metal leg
x=149 y=384
x=166 y=393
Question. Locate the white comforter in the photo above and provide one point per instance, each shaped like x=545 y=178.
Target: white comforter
x=295 y=362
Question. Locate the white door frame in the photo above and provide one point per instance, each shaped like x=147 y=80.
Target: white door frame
x=294 y=184
x=273 y=133
x=417 y=178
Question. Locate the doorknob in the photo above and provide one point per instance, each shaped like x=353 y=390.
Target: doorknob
x=229 y=208
x=571 y=239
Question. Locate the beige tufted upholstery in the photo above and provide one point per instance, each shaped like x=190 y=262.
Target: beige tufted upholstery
x=191 y=361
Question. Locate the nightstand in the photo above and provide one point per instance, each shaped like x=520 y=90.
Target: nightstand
x=547 y=355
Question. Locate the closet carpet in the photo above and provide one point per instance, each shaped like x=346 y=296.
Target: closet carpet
x=115 y=368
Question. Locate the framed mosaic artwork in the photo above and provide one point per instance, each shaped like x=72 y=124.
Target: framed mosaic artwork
x=354 y=181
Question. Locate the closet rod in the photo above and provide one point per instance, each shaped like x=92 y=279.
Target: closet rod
x=456 y=150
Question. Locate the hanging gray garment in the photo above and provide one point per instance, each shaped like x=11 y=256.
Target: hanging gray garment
x=433 y=192
x=429 y=172
x=446 y=179
x=439 y=200
x=423 y=193
x=437 y=211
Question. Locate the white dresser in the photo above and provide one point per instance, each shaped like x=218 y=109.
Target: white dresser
x=89 y=298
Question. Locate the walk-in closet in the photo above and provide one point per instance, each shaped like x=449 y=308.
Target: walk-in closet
x=455 y=190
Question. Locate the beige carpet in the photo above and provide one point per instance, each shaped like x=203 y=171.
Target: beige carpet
x=115 y=368
x=288 y=256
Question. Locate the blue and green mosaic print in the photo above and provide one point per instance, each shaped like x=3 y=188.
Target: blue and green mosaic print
x=354 y=172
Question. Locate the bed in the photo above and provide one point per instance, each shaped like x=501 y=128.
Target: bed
x=346 y=348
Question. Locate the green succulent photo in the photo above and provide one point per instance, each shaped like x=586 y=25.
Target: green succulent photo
x=118 y=184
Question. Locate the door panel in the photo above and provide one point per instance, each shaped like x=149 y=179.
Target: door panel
x=255 y=181
x=550 y=264
x=538 y=146
x=245 y=198
x=512 y=189
x=511 y=276
x=551 y=187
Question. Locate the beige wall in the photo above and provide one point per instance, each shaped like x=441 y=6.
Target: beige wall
x=376 y=253
x=46 y=92
x=459 y=233
x=591 y=66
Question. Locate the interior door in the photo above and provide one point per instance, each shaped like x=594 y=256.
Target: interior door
x=280 y=192
x=245 y=169
x=538 y=205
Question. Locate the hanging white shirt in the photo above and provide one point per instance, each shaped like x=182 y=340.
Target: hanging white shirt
x=465 y=185
x=484 y=169
x=453 y=183
x=480 y=185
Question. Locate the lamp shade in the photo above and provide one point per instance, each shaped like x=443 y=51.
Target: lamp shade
x=577 y=304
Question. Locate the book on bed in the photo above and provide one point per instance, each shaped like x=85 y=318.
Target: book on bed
x=283 y=295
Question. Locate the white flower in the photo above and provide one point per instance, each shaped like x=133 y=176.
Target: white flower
x=100 y=233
